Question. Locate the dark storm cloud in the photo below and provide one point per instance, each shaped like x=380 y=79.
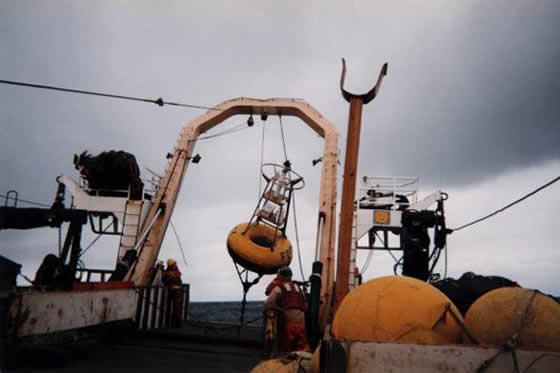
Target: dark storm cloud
x=471 y=94
x=484 y=102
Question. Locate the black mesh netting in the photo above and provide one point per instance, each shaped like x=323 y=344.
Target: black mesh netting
x=469 y=287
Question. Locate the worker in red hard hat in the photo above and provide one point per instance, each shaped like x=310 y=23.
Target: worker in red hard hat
x=287 y=298
x=172 y=279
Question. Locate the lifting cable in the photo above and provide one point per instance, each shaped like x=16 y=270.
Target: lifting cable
x=390 y=252
x=369 y=257
x=179 y=242
x=445 y=257
x=95 y=240
x=283 y=139
x=297 y=240
x=365 y=266
x=262 y=158
x=159 y=101
x=508 y=206
x=294 y=204
x=236 y=128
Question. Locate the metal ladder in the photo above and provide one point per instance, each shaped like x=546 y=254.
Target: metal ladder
x=130 y=226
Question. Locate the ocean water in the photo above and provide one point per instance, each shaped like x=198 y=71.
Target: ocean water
x=227 y=312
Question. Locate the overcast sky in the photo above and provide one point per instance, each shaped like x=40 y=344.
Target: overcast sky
x=470 y=105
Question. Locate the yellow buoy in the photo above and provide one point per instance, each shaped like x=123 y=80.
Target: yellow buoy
x=276 y=366
x=297 y=362
x=397 y=309
x=259 y=248
x=530 y=318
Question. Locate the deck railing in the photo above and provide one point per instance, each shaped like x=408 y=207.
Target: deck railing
x=155 y=308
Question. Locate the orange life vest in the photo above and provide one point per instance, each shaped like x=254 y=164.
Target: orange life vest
x=292 y=297
x=278 y=281
x=172 y=277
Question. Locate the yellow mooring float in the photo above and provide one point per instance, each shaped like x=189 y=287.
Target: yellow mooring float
x=523 y=317
x=398 y=309
x=259 y=248
x=261 y=245
x=296 y=362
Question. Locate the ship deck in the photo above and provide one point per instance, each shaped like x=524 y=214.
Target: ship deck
x=196 y=347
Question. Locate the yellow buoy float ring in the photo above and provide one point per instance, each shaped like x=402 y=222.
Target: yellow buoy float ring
x=529 y=318
x=397 y=309
x=255 y=247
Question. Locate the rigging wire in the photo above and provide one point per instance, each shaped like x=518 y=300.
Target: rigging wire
x=390 y=252
x=60 y=240
x=397 y=262
x=26 y=278
x=236 y=128
x=445 y=266
x=297 y=240
x=95 y=240
x=262 y=158
x=159 y=101
x=508 y=206
x=365 y=266
x=283 y=139
x=179 y=242
x=7 y=198
x=294 y=204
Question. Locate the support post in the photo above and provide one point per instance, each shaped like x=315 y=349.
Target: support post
x=349 y=183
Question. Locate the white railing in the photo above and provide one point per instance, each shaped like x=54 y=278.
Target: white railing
x=375 y=191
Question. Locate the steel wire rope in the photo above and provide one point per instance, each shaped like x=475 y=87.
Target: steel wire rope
x=508 y=206
x=445 y=266
x=236 y=128
x=262 y=158
x=7 y=198
x=95 y=240
x=60 y=240
x=294 y=197
x=159 y=101
x=545 y=354
x=283 y=139
x=179 y=242
x=390 y=252
x=26 y=278
x=365 y=266
x=397 y=262
x=297 y=241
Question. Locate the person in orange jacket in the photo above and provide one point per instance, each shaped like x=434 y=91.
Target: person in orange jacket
x=287 y=297
x=172 y=279
x=278 y=281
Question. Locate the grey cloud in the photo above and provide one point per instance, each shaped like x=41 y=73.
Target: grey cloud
x=471 y=94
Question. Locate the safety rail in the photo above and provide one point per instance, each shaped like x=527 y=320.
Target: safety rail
x=9 y=196
x=154 y=182
x=146 y=193
x=388 y=190
x=102 y=273
x=155 y=308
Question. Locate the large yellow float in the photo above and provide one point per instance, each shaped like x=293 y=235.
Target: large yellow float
x=398 y=309
x=259 y=248
x=516 y=315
